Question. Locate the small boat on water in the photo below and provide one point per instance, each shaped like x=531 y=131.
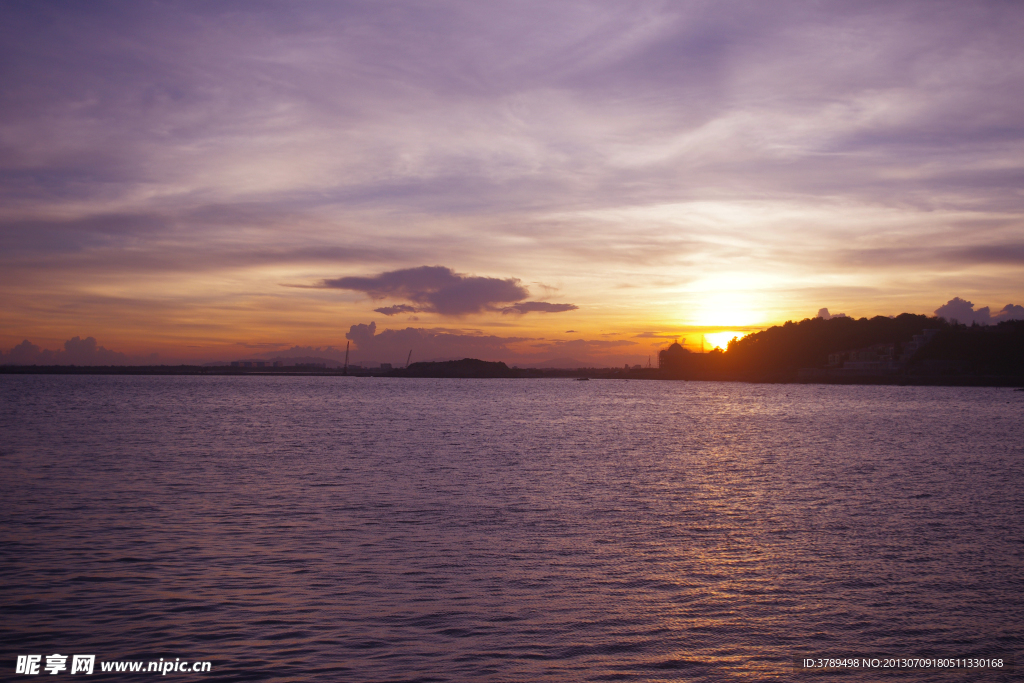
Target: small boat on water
x=582 y=379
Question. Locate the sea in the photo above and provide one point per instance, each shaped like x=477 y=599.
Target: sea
x=387 y=529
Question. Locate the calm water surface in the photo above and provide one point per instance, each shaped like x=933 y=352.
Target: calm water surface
x=356 y=529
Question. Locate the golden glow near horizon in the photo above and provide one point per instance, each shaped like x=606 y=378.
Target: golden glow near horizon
x=726 y=309
x=727 y=317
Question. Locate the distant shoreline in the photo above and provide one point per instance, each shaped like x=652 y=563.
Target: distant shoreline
x=512 y=373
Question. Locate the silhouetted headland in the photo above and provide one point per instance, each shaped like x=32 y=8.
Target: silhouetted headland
x=906 y=349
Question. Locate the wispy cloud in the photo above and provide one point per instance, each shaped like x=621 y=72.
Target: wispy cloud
x=626 y=151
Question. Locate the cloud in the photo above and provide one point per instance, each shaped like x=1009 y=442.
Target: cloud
x=539 y=306
x=823 y=313
x=923 y=252
x=963 y=312
x=76 y=351
x=395 y=310
x=437 y=289
x=185 y=239
x=1009 y=312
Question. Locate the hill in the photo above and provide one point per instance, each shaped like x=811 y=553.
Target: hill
x=784 y=349
x=465 y=368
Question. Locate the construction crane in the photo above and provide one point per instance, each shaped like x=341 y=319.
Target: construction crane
x=344 y=370
x=408 y=358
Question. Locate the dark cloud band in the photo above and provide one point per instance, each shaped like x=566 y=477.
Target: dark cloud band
x=538 y=307
x=437 y=289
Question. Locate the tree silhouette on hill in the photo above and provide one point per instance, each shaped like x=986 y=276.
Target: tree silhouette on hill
x=808 y=343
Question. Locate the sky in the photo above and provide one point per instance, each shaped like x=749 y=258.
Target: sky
x=518 y=181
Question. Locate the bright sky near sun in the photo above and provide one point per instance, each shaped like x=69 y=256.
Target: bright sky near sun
x=508 y=181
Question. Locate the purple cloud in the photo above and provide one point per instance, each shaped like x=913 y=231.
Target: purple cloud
x=1009 y=312
x=436 y=289
x=963 y=312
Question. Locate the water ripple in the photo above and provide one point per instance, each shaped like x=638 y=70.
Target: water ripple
x=356 y=529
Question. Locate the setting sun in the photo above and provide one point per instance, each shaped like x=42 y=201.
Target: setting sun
x=725 y=307
x=722 y=339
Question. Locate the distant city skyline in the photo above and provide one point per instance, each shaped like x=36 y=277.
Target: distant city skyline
x=586 y=180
